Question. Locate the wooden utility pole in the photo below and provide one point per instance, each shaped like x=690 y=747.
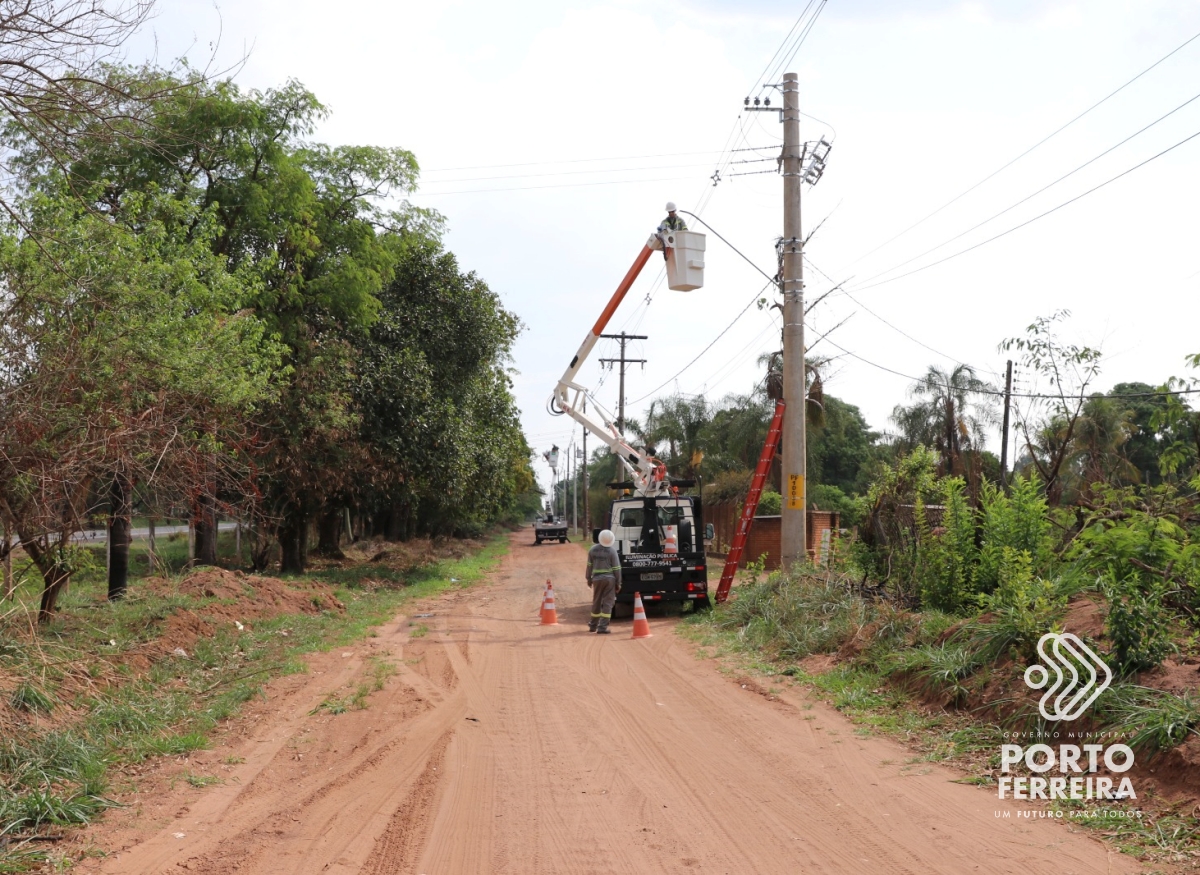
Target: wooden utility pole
x=791 y=249
x=1004 y=434
x=587 y=504
x=623 y=338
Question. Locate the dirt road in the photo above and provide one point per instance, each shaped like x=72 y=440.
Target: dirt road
x=506 y=747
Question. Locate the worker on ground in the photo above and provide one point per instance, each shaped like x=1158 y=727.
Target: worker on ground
x=671 y=223
x=604 y=578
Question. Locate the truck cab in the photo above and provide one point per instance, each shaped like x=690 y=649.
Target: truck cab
x=661 y=541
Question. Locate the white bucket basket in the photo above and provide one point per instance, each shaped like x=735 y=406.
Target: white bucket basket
x=685 y=260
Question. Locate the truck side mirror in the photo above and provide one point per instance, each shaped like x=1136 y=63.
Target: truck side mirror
x=709 y=532
x=596 y=536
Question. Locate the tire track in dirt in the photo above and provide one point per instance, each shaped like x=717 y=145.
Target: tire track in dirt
x=397 y=850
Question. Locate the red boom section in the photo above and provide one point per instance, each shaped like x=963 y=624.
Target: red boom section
x=752 y=497
x=619 y=294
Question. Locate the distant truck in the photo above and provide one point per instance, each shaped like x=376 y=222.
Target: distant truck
x=548 y=527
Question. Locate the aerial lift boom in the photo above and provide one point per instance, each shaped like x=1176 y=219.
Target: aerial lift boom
x=649 y=474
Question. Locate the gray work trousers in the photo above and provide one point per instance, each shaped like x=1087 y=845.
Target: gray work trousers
x=604 y=596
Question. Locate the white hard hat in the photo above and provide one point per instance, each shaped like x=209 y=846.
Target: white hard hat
x=670 y=206
x=607 y=538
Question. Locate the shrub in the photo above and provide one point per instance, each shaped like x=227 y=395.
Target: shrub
x=1019 y=521
x=1138 y=624
x=1023 y=609
x=770 y=504
x=946 y=562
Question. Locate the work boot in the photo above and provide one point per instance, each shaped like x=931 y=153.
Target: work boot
x=592 y=626
x=602 y=628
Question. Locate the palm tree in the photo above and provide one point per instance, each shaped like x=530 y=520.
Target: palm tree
x=679 y=421
x=946 y=418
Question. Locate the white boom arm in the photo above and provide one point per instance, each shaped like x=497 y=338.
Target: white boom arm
x=647 y=472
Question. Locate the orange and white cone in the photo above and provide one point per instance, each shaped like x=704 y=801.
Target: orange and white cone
x=549 y=614
x=641 y=627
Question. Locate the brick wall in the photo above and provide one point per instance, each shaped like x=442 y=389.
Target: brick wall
x=765 y=533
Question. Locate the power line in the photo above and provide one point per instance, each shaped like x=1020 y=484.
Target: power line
x=568 y=173
x=1034 y=219
x=745 y=257
x=783 y=64
x=570 y=161
x=1011 y=207
x=1036 y=145
x=762 y=77
x=707 y=348
x=894 y=327
x=1030 y=395
x=558 y=185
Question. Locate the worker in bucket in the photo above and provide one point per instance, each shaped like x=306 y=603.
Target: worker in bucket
x=604 y=578
x=672 y=222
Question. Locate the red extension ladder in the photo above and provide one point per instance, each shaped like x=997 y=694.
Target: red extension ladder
x=756 y=487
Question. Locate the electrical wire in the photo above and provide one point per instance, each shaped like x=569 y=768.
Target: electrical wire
x=1036 y=145
x=724 y=331
x=1044 y=188
x=1048 y=212
x=568 y=161
x=784 y=63
x=558 y=185
x=568 y=173
x=762 y=77
x=745 y=257
x=1030 y=395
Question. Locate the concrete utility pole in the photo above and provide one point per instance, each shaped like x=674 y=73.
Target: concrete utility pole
x=624 y=338
x=791 y=249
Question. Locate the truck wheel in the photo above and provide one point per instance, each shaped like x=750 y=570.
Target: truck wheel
x=701 y=605
x=537 y=542
x=562 y=540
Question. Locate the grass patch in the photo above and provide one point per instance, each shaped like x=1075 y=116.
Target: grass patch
x=81 y=664
x=891 y=664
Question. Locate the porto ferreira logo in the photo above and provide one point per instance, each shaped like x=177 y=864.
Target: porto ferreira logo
x=1068 y=691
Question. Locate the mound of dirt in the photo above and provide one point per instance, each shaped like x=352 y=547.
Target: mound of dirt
x=237 y=599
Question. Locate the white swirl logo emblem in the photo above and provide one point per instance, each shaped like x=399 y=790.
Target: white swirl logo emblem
x=1074 y=693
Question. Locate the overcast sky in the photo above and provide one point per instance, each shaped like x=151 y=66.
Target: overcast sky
x=577 y=121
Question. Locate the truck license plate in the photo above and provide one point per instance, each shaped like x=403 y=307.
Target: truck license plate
x=655 y=575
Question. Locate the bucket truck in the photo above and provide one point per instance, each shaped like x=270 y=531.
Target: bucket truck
x=660 y=531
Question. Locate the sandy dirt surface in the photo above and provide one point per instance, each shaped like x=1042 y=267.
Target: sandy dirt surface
x=502 y=746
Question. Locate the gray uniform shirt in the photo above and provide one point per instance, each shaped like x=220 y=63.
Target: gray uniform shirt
x=604 y=562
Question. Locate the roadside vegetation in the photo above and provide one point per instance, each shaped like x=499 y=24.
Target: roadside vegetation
x=209 y=314
x=950 y=569
x=106 y=685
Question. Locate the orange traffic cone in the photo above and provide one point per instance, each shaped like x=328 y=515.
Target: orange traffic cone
x=671 y=545
x=641 y=627
x=549 y=615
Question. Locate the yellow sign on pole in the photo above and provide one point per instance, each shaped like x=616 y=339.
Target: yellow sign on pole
x=795 y=498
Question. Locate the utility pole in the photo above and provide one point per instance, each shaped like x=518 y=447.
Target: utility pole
x=587 y=504
x=1004 y=434
x=791 y=250
x=623 y=338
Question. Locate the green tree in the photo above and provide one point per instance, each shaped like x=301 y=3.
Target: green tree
x=304 y=221
x=1049 y=426
x=949 y=417
x=129 y=355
